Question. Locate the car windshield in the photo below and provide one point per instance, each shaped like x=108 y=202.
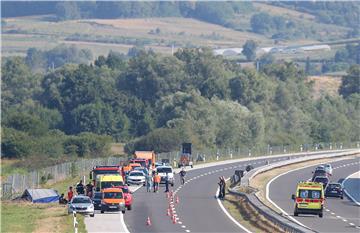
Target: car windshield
x=98 y=195
x=320 y=172
x=327 y=165
x=81 y=200
x=110 y=184
x=321 y=180
x=164 y=170
x=136 y=174
x=113 y=195
x=303 y=193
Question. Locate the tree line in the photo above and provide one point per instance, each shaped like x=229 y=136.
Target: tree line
x=153 y=101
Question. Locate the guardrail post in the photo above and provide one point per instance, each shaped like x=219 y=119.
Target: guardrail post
x=75 y=222
x=341 y=145
x=249 y=152
x=330 y=147
x=301 y=148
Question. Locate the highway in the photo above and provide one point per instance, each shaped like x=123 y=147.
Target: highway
x=339 y=215
x=198 y=210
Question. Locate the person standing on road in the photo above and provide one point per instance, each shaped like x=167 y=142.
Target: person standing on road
x=220 y=187
x=89 y=189
x=182 y=175
x=223 y=186
x=157 y=179
x=80 y=188
x=167 y=183
x=70 y=193
x=148 y=182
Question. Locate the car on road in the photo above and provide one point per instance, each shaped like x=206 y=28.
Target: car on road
x=334 y=190
x=136 y=177
x=328 y=169
x=309 y=199
x=143 y=169
x=81 y=204
x=320 y=167
x=317 y=173
x=127 y=196
x=113 y=200
x=96 y=198
x=324 y=180
x=163 y=171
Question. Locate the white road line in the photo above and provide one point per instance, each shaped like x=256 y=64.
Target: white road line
x=352 y=224
x=332 y=213
x=338 y=216
x=345 y=220
x=346 y=192
x=180 y=222
x=227 y=213
x=183 y=226
x=327 y=210
x=187 y=230
x=122 y=222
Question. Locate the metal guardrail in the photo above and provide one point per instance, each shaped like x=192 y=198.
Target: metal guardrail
x=280 y=220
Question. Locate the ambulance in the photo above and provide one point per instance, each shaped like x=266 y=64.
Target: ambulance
x=309 y=199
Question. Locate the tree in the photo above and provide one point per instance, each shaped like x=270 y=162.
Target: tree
x=351 y=82
x=249 y=50
x=67 y=10
x=261 y=23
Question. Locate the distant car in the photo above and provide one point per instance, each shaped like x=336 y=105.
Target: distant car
x=249 y=168
x=322 y=179
x=97 y=197
x=82 y=205
x=143 y=169
x=157 y=164
x=136 y=177
x=334 y=190
x=328 y=169
x=319 y=173
x=320 y=168
x=163 y=171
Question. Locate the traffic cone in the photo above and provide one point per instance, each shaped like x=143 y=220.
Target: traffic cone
x=148 y=222
x=168 y=212
x=177 y=199
x=167 y=195
x=174 y=220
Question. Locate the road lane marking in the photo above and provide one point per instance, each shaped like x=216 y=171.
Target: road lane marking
x=338 y=216
x=332 y=213
x=352 y=224
x=345 y=220
x=183 y=226
x=180 y=222
x=347 y=193
x=187 y=230
x=227 y=213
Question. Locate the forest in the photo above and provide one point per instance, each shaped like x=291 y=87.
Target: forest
x=154 y=101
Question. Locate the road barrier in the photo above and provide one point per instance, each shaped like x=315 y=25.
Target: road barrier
x=277 y=219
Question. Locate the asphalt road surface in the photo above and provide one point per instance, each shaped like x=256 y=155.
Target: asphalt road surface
x=339 y=215
x=197 y=211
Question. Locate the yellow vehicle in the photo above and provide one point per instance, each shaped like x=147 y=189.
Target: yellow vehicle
x=309 y=199
x=109 y=181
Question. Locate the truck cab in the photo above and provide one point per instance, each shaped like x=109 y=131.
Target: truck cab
x=113 y=200
x=309 y=199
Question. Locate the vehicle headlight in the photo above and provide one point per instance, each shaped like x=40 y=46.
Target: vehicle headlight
x=121 y=204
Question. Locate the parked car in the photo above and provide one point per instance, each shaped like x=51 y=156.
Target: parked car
x=322 y=179
x=113 y=200
x=328 y=169
x=334 y=190
x=163 y=171
x=136 y=177
x=249 y=168
x=127 y=196
x=82 y=205
x=96 y=198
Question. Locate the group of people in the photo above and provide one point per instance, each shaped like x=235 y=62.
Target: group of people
x=153 y=180
x=81 y=189
x=222 y=187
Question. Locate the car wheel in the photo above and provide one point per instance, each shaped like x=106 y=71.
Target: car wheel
x=123 y=211
x=296 y=213
x=92 y=215
x=129 y=207
x=321 y=215
x=172 y=185
x=102 y=211
x=342 y=197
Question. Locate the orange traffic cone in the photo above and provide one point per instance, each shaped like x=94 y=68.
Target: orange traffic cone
x=168 y=212
x=174 y=220
x=148 y=222
x=167 y=195
x=177 y=199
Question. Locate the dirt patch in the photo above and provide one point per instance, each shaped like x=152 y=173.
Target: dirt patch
x=259 y=182
x=245 y=213
x=117 y=148
x=325 y=85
